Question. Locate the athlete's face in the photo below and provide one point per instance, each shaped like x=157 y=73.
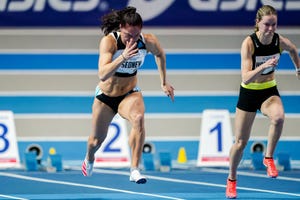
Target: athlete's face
x=267 y=25
x=130 y=33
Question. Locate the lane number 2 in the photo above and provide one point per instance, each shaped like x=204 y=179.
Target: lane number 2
x=108 y=147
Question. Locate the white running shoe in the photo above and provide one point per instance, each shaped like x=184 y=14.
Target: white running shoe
x=135 y=176
x=87 y=168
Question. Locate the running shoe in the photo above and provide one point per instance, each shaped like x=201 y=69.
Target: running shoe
x=271 y=168
x=231 y=189
x=135 y=176
x=87 y=168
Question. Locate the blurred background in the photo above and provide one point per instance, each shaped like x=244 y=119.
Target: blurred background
x=49 y=57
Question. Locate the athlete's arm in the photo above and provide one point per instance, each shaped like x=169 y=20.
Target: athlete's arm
x=287 y=45
x=153 y=46
x=107 y=66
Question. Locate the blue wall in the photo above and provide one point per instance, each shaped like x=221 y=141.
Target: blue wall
x=78 y=13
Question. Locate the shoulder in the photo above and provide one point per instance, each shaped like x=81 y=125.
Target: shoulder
x=247 y=39
x=247 y=43
x=150 y=38
x=286 y=44
x=283 y=40
x=108 y=38
x=247 y=47
x=108 y=43
x=152 y=44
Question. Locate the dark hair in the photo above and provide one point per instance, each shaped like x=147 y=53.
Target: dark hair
x=112 y=20
x=263 y=11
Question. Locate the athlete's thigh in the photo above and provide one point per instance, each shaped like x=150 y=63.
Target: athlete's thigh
x=272 y=107
x=132 y=105
x=243 y=124
x=101 y=118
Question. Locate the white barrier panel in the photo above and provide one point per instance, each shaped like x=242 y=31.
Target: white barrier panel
x=9 y=154
x=114 y=151
x=215 y=139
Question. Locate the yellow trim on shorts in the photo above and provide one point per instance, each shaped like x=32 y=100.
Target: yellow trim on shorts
x=259 y=86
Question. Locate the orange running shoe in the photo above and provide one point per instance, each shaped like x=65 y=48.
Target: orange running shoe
x=231 y=189
x=271 y=168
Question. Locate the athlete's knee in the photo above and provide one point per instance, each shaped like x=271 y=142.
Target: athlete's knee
x=277 y=120
x=138 y=121
x=240 y=144
x=95 y=142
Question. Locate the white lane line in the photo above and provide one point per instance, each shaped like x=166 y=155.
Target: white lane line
x=85 y=185
x=11 y=197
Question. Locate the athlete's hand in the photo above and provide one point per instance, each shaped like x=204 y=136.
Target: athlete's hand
x=269 y=65
x=130 y=50
x=272 y=62
x=168 y=90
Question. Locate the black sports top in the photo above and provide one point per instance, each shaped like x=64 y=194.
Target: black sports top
x=264 y=52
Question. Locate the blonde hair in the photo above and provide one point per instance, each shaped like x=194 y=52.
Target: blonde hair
x=264 y=11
